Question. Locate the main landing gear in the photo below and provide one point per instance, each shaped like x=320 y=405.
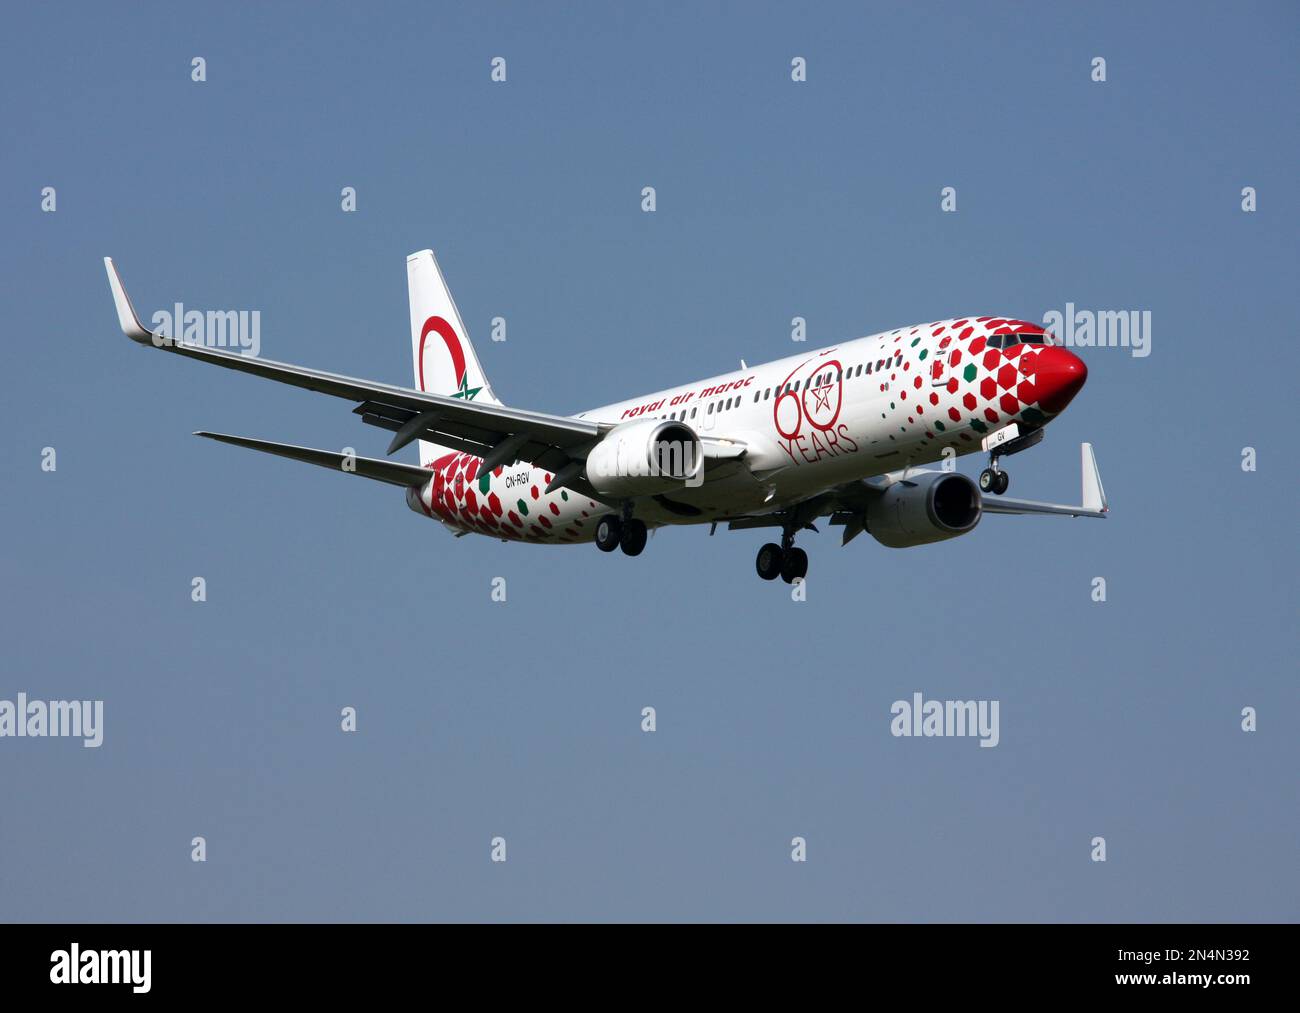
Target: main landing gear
x=626 y=533
x=784 y=560
x=993 y=479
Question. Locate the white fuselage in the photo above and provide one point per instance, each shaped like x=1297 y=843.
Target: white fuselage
x=808 y=422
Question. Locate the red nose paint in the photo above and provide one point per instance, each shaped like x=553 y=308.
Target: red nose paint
x=1059 y=374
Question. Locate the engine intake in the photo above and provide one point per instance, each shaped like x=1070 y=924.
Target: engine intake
x=645 y=457
x=928 y=508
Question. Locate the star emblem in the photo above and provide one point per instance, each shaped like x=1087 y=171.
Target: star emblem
x=466 y=391
x=823 y=397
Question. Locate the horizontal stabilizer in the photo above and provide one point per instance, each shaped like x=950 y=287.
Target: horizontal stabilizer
x=392 y=472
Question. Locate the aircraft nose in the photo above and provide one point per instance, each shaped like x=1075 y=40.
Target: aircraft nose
x=1059 y=375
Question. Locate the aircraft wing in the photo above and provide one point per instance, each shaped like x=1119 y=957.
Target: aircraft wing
x=846 y=504
x=499 y=434
x=1094 y=495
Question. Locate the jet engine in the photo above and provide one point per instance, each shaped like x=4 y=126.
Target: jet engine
x=929 y=507
x=645 y=457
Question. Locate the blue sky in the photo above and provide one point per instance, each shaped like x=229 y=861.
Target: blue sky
x=478 y=719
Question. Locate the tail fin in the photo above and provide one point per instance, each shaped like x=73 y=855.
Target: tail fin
x=442 y=356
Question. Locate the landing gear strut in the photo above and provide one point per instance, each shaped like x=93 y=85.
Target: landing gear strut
x=784 y=560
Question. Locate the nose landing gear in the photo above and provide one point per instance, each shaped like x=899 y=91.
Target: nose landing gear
x=994 y=480
x=1009 y=440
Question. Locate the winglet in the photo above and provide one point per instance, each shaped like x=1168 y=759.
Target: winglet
x=126 y=316
x=1094 y=496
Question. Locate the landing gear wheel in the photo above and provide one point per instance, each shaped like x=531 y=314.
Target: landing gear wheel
x=1004 y=482
x=988 y=480
x=609 y=531
x=633 y=539
x=795 y=565
x=768 y=563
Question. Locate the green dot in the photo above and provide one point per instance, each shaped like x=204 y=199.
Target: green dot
x=564 y=495
x=939 y=426
x=915 y=342
x=969 y=373
x=523 y=508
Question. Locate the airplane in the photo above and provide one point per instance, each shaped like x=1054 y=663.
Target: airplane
x=839 y=433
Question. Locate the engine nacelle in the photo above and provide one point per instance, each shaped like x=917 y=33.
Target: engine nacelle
x=645 y=457
x=928 y=508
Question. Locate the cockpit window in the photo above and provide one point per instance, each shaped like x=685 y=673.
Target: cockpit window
x=1023 y=338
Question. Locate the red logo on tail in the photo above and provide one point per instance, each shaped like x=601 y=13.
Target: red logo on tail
x=448 y=335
